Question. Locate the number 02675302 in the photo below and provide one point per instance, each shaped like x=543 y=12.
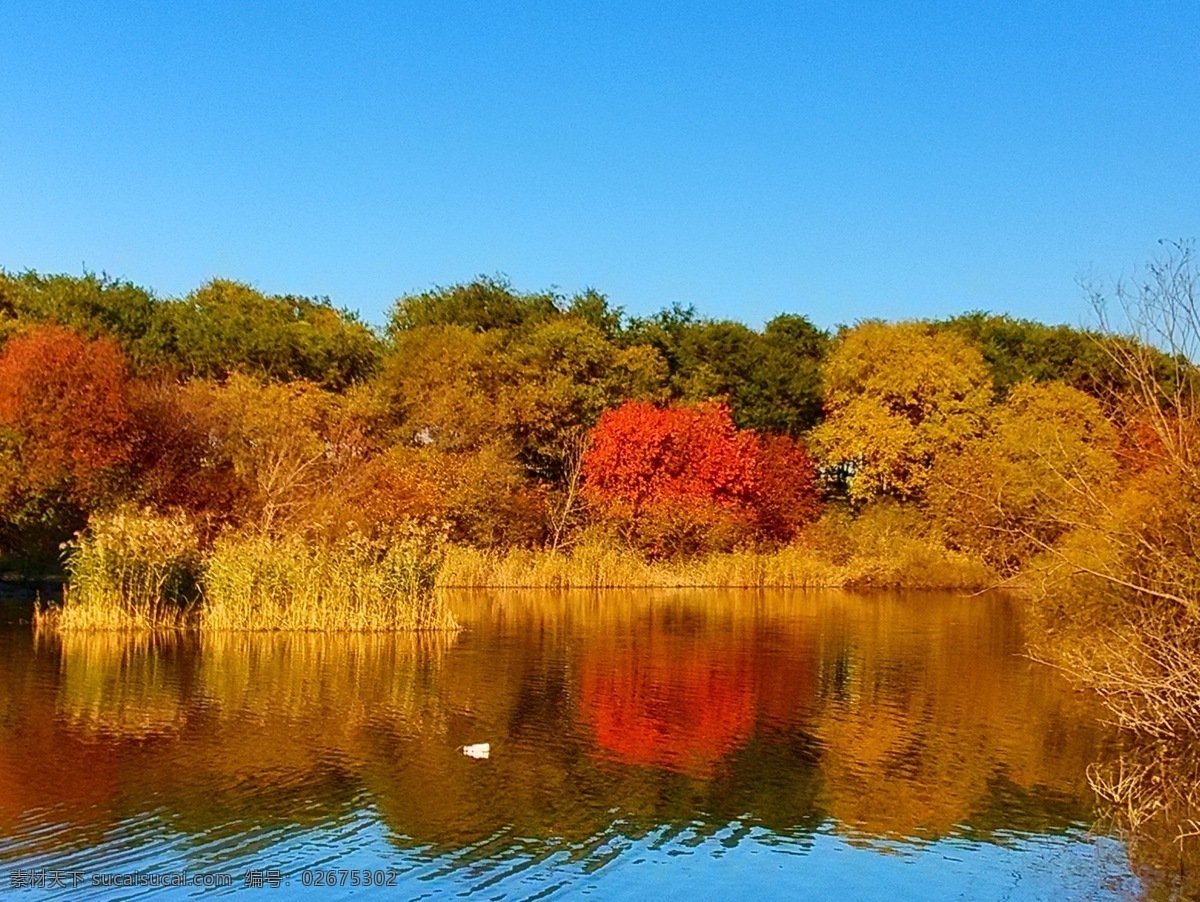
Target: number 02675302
x=349 y=877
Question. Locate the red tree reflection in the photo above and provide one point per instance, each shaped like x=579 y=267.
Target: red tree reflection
x=682 y=703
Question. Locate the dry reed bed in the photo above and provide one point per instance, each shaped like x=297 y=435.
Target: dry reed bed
x=264 y=583
x=134 y=571
x=922 y=566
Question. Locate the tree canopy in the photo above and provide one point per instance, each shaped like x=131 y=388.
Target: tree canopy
x=503 y=417
x=898 y=398
x=222 y=327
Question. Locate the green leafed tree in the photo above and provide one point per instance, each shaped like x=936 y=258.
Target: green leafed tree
x=483 y=305
x=562 y=376
x=771 y=379
x=1019 y=350
x=783 y=393
x=226 y=326
x=222 y=327
x=92 y=305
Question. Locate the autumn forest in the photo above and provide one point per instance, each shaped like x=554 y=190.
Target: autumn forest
x=271 y=453
x=510 y=420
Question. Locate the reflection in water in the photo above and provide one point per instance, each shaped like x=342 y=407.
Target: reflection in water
x=124 y=685
x=1150 y=792
x=681 y=700
x=635 y=737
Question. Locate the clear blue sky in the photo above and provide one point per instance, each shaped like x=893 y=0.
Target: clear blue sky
x=839 y=160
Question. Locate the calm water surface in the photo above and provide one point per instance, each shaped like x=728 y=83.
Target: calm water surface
x=701 y=745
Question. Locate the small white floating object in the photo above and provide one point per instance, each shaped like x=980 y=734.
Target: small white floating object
x=477 y=750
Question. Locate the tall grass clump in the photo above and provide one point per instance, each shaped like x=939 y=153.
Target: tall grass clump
x=263 y=582
x=129 y=570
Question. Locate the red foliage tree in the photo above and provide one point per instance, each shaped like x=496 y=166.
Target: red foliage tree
x=642 y=457
x=786 y=494
x=64 y=398
x=678 y=472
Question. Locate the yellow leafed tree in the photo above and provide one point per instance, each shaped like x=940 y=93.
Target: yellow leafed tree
x=899 y=398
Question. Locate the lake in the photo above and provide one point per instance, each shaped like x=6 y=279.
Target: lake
x=668 y=743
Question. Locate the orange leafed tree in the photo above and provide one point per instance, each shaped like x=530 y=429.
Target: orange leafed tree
x=676 y=475
x=179 y=459
x=64 y=398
